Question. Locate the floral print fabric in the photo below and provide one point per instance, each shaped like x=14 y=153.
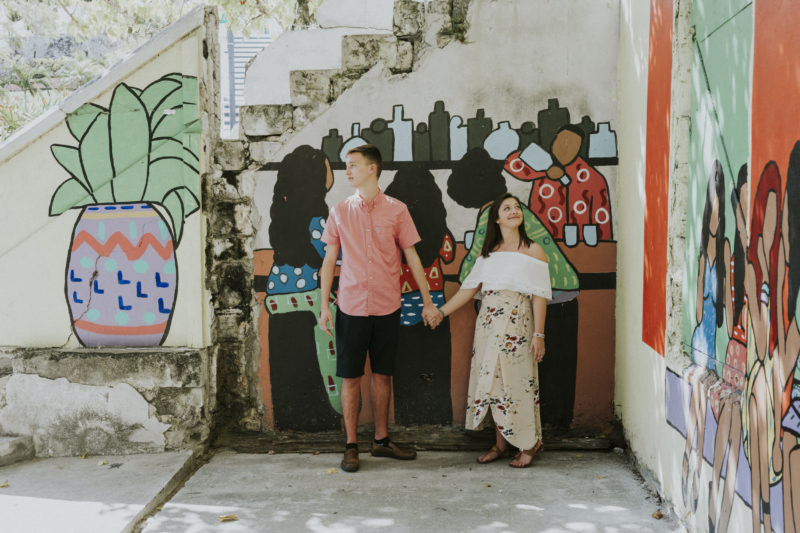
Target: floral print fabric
x=504 y=380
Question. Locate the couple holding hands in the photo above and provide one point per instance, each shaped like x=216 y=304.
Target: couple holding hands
x=511 y=277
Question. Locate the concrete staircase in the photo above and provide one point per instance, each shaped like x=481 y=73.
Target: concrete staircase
x=12 y=448
x=269 y=123
x=15 y=449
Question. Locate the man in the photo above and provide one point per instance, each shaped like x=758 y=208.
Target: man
x=371 y=229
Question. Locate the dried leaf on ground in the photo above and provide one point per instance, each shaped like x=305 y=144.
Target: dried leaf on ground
x=331 y=471
x=102 y=463
x=84 y=456
x=4 y=484
x=658 y=515
x=228 y=518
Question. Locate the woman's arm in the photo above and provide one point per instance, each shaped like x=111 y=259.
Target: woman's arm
x=539 y=313
x=459 y=299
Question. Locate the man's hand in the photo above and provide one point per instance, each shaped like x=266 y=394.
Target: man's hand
x=431 y=315
x=537 y=349
x=326 y=318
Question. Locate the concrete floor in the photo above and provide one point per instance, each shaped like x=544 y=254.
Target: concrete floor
x=96 y=494
x=440 y=491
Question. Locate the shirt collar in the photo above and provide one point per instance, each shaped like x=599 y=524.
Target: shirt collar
x=359 y=200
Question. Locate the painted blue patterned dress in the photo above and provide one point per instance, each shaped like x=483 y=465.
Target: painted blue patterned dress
x=705 y=334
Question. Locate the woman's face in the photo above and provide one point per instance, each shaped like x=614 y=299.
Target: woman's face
x=510 y=213
x=767 y=237
x=713 y=224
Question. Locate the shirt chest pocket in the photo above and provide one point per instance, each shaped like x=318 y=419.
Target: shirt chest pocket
x=385 y=235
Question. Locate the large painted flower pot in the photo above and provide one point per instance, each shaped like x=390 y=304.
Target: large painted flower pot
x=121 y=275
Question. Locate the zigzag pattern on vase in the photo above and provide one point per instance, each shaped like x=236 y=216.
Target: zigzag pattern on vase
x=118 y=239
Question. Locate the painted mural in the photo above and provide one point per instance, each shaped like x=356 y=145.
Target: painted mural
x=134 y=176
x=738 y=404
x=447 y=170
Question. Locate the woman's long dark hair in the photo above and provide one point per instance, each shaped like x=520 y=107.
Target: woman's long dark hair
x=414 y=186
x=792 y=203
x=716 y=190
x=298 y=197
x=738 y=253
x=493 y=235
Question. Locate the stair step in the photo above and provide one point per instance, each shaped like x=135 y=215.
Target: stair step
x=15 y=449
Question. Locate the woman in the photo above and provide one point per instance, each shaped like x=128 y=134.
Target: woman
x=761 y=288
x=514 y=279
x=725 y=396
x=708 y=317
x=302 y=358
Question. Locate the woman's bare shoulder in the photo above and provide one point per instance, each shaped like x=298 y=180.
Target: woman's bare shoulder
x=536 y=251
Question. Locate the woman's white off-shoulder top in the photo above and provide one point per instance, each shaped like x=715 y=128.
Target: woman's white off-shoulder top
x=513 y=271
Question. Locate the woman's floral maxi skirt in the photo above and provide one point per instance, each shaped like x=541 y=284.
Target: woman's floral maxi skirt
x=503 y=378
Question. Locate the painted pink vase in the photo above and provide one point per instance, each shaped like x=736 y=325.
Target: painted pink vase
x=121 y=278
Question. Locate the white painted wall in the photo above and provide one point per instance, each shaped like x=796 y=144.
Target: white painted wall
x=34 y=246
x=639 y=395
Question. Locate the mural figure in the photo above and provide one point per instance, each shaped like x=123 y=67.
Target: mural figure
x=725 y=396
x=709 y=316
x=138 y=154
x=302 y=356
x=787 y=458
x=761 y=277
x=422 y=380
x=569 y=195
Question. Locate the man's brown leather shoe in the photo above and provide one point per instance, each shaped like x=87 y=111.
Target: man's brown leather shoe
x=350 y=461
x=392 y=450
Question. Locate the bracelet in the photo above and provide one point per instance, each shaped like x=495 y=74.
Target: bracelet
x=538 y=335
x=442 y=312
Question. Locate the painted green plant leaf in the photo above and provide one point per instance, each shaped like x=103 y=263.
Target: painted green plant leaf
x=154 y=93
x=174 y=206
x=145 y=146
x=130 y=144
x=562 y=274
x=70 y=158
x=68 y=195
x=166 y=169
x=79 y=120
x=95 y=151
x=167 y=119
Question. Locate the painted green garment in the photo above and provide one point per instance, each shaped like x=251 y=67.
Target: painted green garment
x=278 y=304
x=562 y=274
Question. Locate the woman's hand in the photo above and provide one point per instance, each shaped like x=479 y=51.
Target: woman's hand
x=537 y=349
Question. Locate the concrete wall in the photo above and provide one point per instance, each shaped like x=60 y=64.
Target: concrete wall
x=103 y=251
x=713 y=422
x=451 y=136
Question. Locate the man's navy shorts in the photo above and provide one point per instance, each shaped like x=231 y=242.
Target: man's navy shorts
x=355 y=335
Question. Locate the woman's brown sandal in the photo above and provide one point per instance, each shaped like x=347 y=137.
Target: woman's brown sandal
x=498 y=454
x=528 y=453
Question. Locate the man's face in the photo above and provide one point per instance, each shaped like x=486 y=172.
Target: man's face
x=359 y=170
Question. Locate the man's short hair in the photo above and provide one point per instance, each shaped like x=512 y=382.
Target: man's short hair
x=370 y=153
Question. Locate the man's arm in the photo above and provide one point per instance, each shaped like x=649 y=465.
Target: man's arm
x=430 y=312
x=325 y=284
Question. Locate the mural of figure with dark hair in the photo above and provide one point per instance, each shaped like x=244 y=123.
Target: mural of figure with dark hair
x=473 y=178
x=422 y=375
x=302 y=357
x=709 y=314
x=788 y=312
x=726 y=395
x=761 y=287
